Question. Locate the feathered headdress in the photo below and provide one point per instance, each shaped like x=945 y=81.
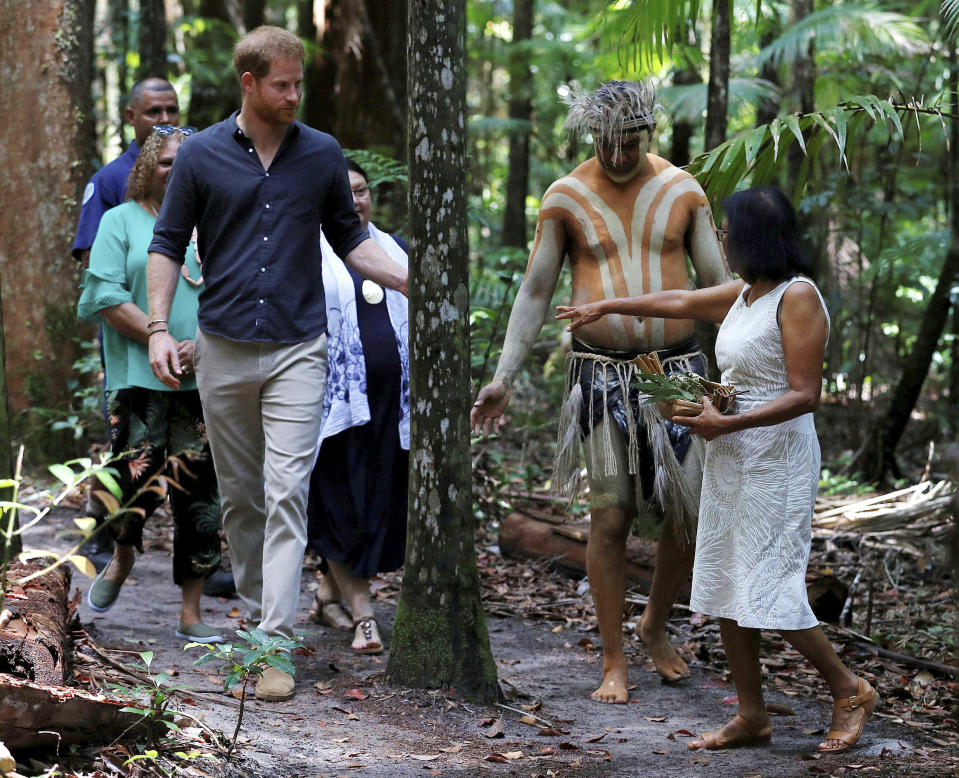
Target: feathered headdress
x=612 y=109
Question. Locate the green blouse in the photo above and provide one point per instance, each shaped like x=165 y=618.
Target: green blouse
x=118 y=274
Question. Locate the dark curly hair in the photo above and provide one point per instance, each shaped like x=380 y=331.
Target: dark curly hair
x=138 y=184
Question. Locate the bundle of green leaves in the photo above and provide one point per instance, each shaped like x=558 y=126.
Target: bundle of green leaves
x=675 y=386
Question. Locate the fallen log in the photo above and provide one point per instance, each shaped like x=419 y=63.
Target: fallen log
x=533 y=534
x=537 y=535
x=33 y=715
x=34 y=638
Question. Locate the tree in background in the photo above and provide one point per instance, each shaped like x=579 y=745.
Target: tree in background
x=440 y=637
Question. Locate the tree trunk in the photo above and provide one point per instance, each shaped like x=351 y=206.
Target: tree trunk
x=520 y=111
x=679 y=152
x=877 y=455
x=6 y=440
x=803 y=83
x=213 y=98
x=254 y=13
x=119 y=20
x=768 y=108
x=440 y=638
x=47 y=144
x=358 y=92
x=152 y=40
x=717 y=98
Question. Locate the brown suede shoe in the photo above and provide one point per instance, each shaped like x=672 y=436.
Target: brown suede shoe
x=274 y=685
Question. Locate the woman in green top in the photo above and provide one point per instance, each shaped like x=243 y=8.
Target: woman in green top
x=156 y=428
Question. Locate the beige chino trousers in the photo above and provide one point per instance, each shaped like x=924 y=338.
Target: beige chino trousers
x=262 y=403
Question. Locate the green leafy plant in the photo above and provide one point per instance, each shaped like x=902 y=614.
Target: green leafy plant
x=157 y=695
x=243 y=661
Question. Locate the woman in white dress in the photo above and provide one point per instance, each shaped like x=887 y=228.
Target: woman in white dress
x=762 y=459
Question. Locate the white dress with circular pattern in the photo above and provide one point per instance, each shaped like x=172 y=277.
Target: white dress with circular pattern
x=759 y=485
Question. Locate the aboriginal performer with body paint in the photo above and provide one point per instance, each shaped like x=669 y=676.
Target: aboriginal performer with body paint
x=626 y=220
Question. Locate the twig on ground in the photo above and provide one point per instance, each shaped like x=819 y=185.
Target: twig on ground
x=524 y=713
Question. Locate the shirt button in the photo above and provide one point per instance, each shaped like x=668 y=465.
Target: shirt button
x=265 y=238
x=261 y=302
x=262 y=269
x=250 y=150
x=267 y=175
x=268 y=206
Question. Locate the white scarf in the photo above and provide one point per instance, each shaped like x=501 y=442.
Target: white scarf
x=345 y=404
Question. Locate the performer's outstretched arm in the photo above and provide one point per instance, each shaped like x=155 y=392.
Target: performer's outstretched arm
x=709 y=304
x=525 y=321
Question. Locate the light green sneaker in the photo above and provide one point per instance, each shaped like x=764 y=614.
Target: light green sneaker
x=199 y=632
x=103 y=593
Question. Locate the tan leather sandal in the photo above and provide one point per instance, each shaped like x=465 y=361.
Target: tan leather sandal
x=734 y=734
x=866 y=698
x=331 y=613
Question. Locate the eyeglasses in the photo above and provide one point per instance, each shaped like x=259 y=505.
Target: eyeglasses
x=169 y=129
x=361 y=192
x=721 y=233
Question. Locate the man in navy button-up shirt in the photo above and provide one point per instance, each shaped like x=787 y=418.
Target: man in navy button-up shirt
x=258 y=186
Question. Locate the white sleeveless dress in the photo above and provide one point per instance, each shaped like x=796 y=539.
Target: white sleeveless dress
x=759 y=485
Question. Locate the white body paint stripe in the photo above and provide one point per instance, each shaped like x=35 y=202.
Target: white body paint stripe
x=568 y=203
x=660 y=219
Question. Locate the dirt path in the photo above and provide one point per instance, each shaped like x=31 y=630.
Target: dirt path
x=543 y=670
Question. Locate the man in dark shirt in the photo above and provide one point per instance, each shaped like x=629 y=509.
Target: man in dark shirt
x=258 y=185
x=152 y=101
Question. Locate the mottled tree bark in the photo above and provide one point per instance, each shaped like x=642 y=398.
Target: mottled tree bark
x=440 y=638
x=520 y=110
x=46 y=56
x=151 y=41
x=717 y=96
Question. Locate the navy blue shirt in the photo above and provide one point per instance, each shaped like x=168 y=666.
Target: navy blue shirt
x=259 y=230
x=107 y=189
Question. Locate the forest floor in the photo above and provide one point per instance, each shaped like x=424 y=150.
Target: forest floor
x=347 y=721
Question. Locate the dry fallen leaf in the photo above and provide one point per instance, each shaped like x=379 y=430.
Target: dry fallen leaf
x=234 y=613
x=596 y=738
x=569 y=747
x=356 y=694
x=534 y=707
x=453 y=749
x=496 y=729
x=656 y=718
x=552 y=732
x=513 y=754
x=531 y=720
x=546 y=751
x=425 y=757
x=495 y=757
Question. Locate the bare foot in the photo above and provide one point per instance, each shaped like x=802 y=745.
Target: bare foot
x=669 y=664
x=734 y=734
x=615 y=686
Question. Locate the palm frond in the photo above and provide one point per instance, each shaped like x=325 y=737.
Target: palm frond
x=687 y=103
x=850 y=29
x=950 y=15
x=760 y=152
x=644 y=28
